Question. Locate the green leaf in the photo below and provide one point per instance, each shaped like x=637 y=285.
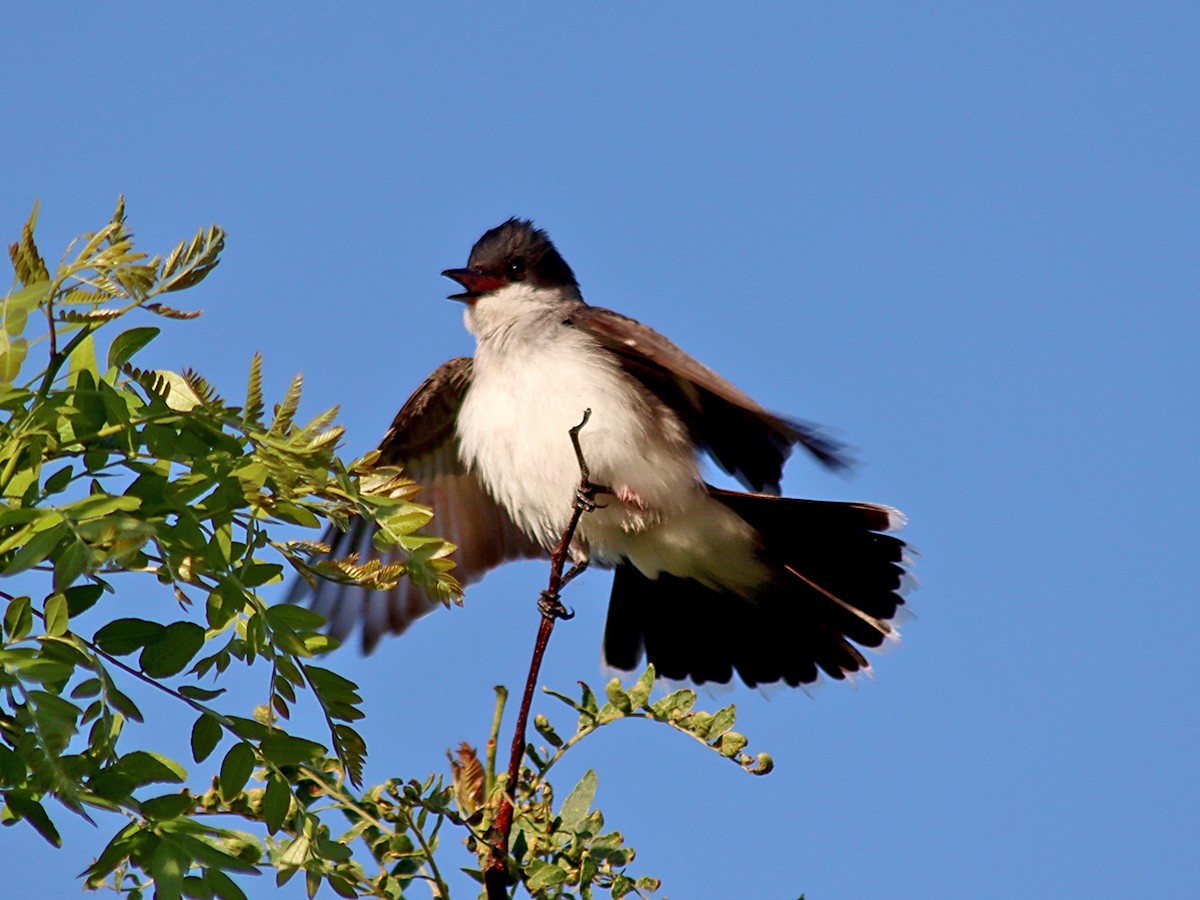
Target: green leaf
x=25 y=807
x=119 y=780
x=127 y=343
x=235 y=770
x=277 y=802
x=674 y=706
x=731 y=743
x=172 y=649
x=124 y=705
x=617 y=697
x=25 y=300
x=56 y=615
x=89 y=688
x=250 y=729
x=640 y=692
x=59 y=480
x=206 y=734
x=12 y=768
x=198 y=693
x=224 y=602
x=20 y=515
x=579 y=801
x=152 y=768
x=239 y=851
x=222 y=885
x=542 y=724
x=286 y=750
x=296 y=515
x=95 y=506
x=587 y=702
x=297 y=618
x=697 y=723
x=286 y=410
x=608 y=848
x=252 y=412
x=190 y=262
x=341 y=886
x=168 y=806
x=257 y=574
x=82 y=361
x=12 y=358
x=295 y=852
x=18 y=619
x=123 y=844
x=621 y=886
x=168 y=865
x=763 y=765
x=180 y=395
x=122 y=636
x=37 y=549
x=339 y=695
x=545 y=876
x=352 y=750
x=82 y=597
x=722 y=721
x=70 y=564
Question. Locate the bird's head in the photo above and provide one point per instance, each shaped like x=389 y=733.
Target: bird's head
x=512 y=253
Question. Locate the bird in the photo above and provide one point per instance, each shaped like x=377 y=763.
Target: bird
x=709 y=582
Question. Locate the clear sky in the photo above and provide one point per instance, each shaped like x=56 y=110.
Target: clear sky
x=965 y=236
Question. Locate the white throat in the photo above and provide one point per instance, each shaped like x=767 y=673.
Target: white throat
x=516 y=306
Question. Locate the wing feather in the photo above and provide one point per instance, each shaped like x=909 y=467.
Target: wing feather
x=422 y=440
x=744 y=439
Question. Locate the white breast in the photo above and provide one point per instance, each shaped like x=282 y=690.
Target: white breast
x=533 y=378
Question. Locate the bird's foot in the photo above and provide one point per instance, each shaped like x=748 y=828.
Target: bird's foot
x=585 y=496
x=572 y=573
x=551 y=607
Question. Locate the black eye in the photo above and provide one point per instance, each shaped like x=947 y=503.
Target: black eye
x=516 y=268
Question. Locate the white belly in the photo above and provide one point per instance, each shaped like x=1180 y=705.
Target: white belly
x=531 y=385
x=515 y=428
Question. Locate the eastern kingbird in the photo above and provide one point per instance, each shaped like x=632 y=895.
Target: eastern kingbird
x=708 y=581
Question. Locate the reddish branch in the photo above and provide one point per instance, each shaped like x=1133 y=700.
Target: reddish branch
x=495 y=870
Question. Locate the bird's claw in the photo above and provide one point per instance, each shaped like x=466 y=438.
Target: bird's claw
x=585 y=497
x=551 y=607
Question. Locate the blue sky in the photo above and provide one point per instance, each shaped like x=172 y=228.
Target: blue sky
x=962 y=235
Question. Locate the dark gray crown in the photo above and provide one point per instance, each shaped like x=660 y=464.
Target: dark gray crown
x=517 y=251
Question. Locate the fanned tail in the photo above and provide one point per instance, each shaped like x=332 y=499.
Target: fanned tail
x=835 y=587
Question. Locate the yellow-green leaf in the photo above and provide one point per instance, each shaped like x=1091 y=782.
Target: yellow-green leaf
x=180 y=396
x=56 y=615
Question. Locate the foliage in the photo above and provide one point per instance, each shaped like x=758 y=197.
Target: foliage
x=115 y=478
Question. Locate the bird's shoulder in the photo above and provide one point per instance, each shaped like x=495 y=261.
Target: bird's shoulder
x=426 y=420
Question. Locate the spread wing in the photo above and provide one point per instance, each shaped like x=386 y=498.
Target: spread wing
x=746 y=440
x=423 y=441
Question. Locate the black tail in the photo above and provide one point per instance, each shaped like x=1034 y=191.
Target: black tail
x=837 y=582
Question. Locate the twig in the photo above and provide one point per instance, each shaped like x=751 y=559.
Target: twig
x=50 y=323
x=495 y=871
x=501 y=699
x=439 y=887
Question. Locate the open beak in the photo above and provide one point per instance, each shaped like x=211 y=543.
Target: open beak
x=475 y=283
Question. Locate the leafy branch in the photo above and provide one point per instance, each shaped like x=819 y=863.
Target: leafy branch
x=117 y=478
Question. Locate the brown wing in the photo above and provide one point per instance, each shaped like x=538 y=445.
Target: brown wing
x=422 y=440
x=746 y=440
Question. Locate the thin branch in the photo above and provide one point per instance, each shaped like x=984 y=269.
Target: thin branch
x=495 y=871
x=439 y=886
x=493 y=735
x=50 y=324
